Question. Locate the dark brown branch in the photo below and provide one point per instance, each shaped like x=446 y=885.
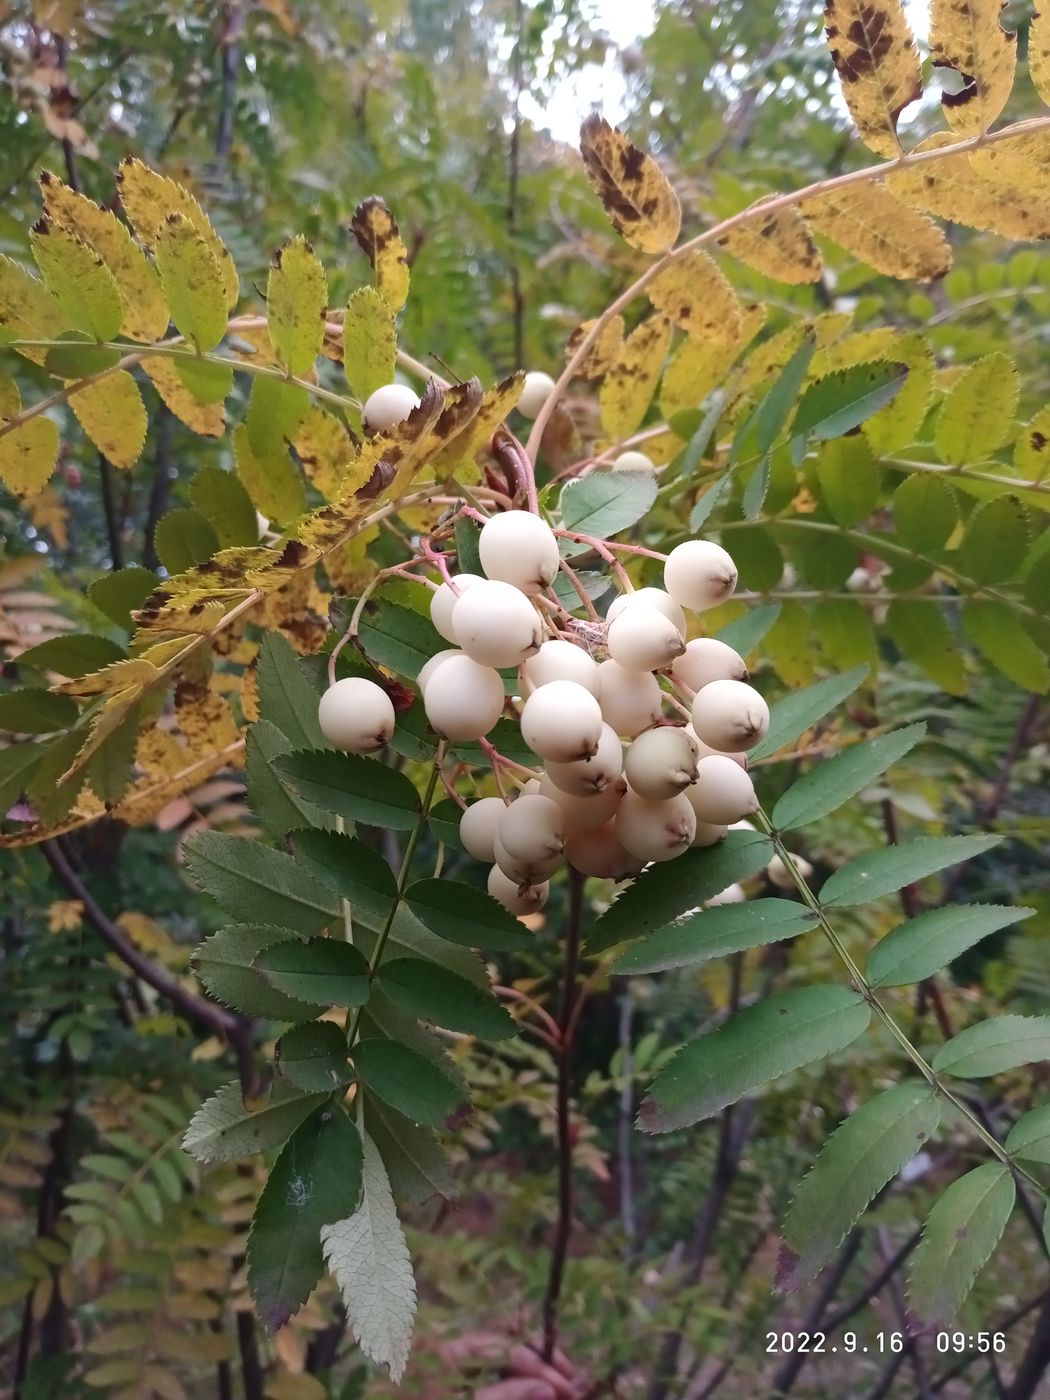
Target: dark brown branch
x=517 y=298
x=1010 y=1320
x=229 y=41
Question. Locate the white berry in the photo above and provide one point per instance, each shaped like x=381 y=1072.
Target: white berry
x=583 y=813
x=477 y=827
x=588 y=777
x=699 y=574
x=730 y=716
x=444 y=598
x=532 y=828
x=514 y=899
x=649 y=598
x=462 y=699
x=561 y=661
x=357 y=715
x=535 y=393
x=518 y=547
x=429 y=667
x=597 y=851
x=724 y=792
x=642 y=639
x=630 y=700
x=655 y=830
x=496 y=624
x=705 y=750
x=388 y=406
x=706 y=659
x=632 y=462
x=561 y=722
x=780 y=875
x=526 y=872
x=661 y=763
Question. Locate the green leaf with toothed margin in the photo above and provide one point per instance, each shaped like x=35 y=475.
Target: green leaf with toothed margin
x=989 y=1047
x=802 y=709
x=926 y=944
x=887 y=870
x=829 y=784
x=958 y=1239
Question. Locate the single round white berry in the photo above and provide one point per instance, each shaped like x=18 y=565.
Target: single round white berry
x=535 y=393
x=588 y=777
x=649 y=598
x=705 y=750
x=518 y=547
x=732 y=894
x=496 y=624
x=462 y=699
x=661 y=763
x=597 y=851
x=699 y=574
x=730 y=716
x=724 y=792
x=583 y=813
x=357 y=715
x=632 y=462
x=514 y=899
x=655 y=830
x=642 y=639
x=706 y=834
x=780 y=875
x=742 y=825
x=630 y=700
x=706 y=659
x=561 y=661
x=429 y=667
x=532 y=828
x=444 y=598
x=525 y=872
x=477 y=827
x=387 y=407
x=561 y=722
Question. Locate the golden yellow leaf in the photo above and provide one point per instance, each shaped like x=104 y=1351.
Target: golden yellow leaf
x=10 y=398
x=661 y=447
x=496 y=404
x=627 y=389
x=1032 y=448
x=28 y=309
x=78 y=279
x=65 y=916
x=325 y=448
x=142 y=298
x=1039 y=52
x=191 y=276
x=873 y=51
x=953 y=188
x=966 y=35
x=112 y=414
x=206 y=419
x=777 y=244
x=602 y=353
x=296 y=303
x=379 y=237
x=204 y=718
x=369 y=342
x=1022 y=161
x=49 y=512
x=872 y=224
x=692 y=372
x=898 y=425
x=850 y=350
x=149 y=199
x=637 y=195
x=28 y=454
x=694 y=293
x=269 y=477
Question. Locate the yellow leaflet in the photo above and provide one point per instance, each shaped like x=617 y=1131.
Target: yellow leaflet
x=112 y=414
x=695 y=294
x=79 y=280
x=661 y=448
x=873 y=51
x=777 y=244
x=10 y=398
x=953 y=188
x=496 y=404
x=269 y=477
x=205 y=720
x=692 y=372
x=48 y=511
x=27 y=455
x=145 y=311
x=369 y=342
x=872 y=224
x=1039 y=52
x=291 y=610
x=602 y=353
x=378 y=235
x=149 y=198
x=638 y=197
x=206 y=419
x=789 y=646
x=296 y=302
x=324 y=448
x=192 y=280
x=627 y=389
x=1022 y=160
x=898 y=424
x=1032 y=448
x=977 y=415
x=966 y=35
x=766 y=361
x=28 y=309
x=851 y=350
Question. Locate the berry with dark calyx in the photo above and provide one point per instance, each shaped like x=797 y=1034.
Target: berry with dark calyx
x=356 y=715
x=699 y=574
x=661 y=763
x=655 y=831
x=558 y=660
x=462 y=699
x=730 y=716
x=724 y=792
x=597 y=851
x=642 y=639
x=532 y=828
x=515 y=898
x=477 y=827
x=519 y=548
x=561 y=722
x=387 y=406
x=582 y=813
x=649 y=598
x=444 y=599
x=630 y=700
x=588 y=777
x=525 y=872
x=535 y=392
x=495 y=624
x=704 y=660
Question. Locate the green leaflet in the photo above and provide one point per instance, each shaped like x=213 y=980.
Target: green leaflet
x=320 y=971
x=352 y=869
x=834 y=781
x=352 y=786
x=958 y=1238
x=184 y=538
x=1029 y=1138
x=604 y=503
x=466 y=915
x=929 y=942
x=255 y=883
x=716 y=933
x=885 y=871
x=802 y=709
x=222 y=1128
x=989 y=1047
x=223 y=963
x=445 y=999
x=407 y=1081
x=313 y=1057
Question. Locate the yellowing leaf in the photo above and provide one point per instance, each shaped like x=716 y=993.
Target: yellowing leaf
x=898 y=424
x=692 y=372
x=10 y=398
x=296 y=302
x=148 y=200
x=966 y=35
x=1022 y=160
x=324 y=448
x=953 y=188
x=206 y=419
x=976 y=416
x=777 y=244
x=873 y=51
x=145 y=309
x=496 y=404
x=27 y=308
x=111 y=412
x=872 y=224
x=369 y=342
x=852 y=350
x=192 y=280
x=28 y=454
x=694 y=293
x=602 y=353
x=81 y=283
x=377 y=233
x=1032 y=448
x=1039 y=52
x=269 y=477
x=638 y=197
x=627 y=389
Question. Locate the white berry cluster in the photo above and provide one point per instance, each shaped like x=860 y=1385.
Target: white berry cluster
x=624 y=780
